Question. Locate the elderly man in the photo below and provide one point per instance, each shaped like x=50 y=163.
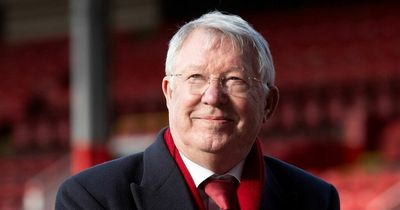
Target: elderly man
x=219 y=89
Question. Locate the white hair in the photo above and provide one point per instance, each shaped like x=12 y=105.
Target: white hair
x=238 y=30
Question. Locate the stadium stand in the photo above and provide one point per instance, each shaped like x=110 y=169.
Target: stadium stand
x=330 y=70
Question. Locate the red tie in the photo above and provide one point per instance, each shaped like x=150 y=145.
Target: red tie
x=223 y=192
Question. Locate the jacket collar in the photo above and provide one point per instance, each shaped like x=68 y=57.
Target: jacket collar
x=162 y=186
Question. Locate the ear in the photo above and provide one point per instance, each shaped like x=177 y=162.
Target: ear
x=167 y=90
x=271 y=102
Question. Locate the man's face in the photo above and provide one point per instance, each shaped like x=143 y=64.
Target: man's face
x=213 y=121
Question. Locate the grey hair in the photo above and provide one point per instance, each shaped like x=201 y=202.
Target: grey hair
x=234 y=27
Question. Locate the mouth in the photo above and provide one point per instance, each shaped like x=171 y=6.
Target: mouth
x=221 y=119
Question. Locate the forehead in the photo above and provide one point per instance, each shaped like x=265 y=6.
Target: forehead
x=204 y=39
x=212 y=48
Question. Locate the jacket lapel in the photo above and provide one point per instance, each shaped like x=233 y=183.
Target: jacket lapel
x=162 y=186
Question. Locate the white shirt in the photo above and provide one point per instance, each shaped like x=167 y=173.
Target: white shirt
x=199 y=174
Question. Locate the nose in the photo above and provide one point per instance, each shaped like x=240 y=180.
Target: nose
x=214 y=94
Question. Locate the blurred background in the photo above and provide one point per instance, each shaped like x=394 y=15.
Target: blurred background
x=338 y=70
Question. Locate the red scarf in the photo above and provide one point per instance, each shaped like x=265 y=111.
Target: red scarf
x=251 y=183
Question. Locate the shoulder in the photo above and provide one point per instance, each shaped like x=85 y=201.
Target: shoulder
x=284 y=171
x=103 y=184
x=124 y=169
x=299 y=185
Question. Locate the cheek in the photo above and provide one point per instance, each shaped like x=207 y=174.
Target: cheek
x=180 y=105
x=254 y=106
x=252 y=111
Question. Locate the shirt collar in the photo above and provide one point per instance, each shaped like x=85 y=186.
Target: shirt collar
x=199 y=173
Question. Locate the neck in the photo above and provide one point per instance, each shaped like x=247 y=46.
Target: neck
x=219 y=162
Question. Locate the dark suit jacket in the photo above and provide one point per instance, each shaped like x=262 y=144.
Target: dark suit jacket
x=152 y=180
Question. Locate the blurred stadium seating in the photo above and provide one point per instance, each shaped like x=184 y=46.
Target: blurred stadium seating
x=17 y=170
x=338 y=71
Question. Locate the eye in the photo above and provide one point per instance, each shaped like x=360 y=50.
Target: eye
x=196 y=78
x=234 y=80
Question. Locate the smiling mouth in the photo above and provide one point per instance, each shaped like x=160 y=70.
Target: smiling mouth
x=213 y=119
